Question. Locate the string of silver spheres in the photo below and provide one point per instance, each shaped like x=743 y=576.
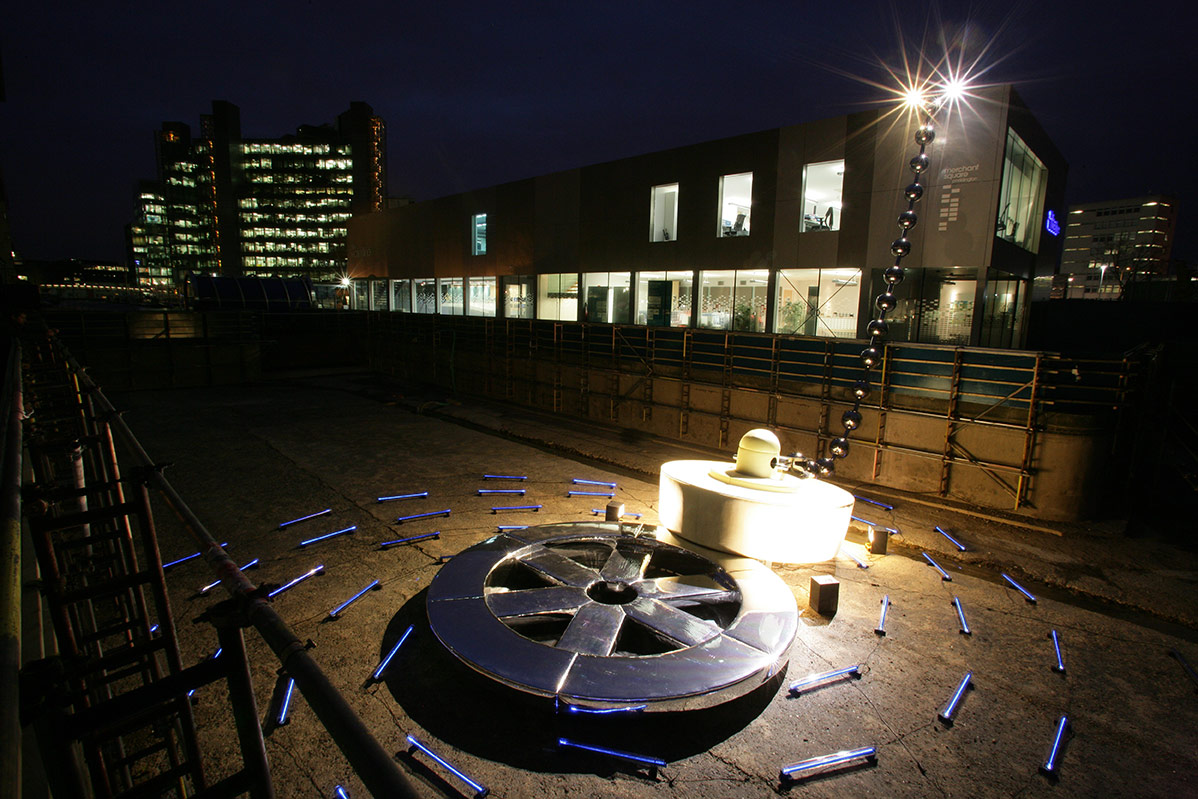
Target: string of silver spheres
x=871 y=356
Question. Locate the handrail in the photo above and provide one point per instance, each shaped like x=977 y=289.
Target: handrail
x=377 y=769
x=10 y=577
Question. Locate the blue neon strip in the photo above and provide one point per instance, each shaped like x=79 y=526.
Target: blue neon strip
x=517 y=491
x=166 y=566
x=606 y=710
x=951 y=708
x=648 y=761
x=403 y=519
x=881 y=505
x=349 y=529
x=578 y=482
x=382 y=666
x=341 y=792
x=504 y=527
x=479 y=790
x=296 y=581
x=1019 y=588
x=863 y=521
x=590 y=494
x=505 y=477
x=1050 y=764
x=518 y=507
x=811 y=679
x=404 y=496
x=410 y=539
x=324 y=512
x=954 y=541
x=1056 y=645
x=333 y=613
x=830 y=760
x=882 y=621
x=961 y=616
x=286 y=702
x=215 y=583
x=860 y=563
x=153 y=629
x=943 y=574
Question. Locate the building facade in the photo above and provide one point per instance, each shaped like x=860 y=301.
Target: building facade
x=233 y=206
x=1109 y=245
x=784 y=231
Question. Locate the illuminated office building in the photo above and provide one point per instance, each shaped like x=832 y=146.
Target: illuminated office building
x=783 y=231
x=233 y=206
x=1110 y=244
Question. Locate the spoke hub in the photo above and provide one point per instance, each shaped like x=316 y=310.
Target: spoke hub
x=612 y=593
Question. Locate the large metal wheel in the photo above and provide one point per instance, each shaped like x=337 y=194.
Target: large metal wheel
x=599 y=618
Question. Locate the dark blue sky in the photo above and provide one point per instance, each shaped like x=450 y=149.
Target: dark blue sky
x=480 y=93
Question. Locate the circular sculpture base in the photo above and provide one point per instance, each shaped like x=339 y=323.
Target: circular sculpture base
x=601 y=619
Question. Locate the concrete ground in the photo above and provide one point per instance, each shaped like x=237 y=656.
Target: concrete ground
x=247 y=458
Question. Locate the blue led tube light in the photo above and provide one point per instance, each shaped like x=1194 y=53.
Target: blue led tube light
x=479 y=790
x=505 y=477
x=341 y=792
x=282 y=719
x=333 y=613
x=881 y=628
x=192 y=556
x=948 y=711
x=811 y=679
x=881 y=505
x=590 y=494
x=843 y=756
x=324 y=512
x=342 y=531
x=533 y=508
x=629 y=756
x=1056 y=647
x=1185 y=664
x=603 y=511
x=428 y=515
x=606 y=711
x=578 y=482
x=864 y=521
x=410 y=539
x=252 y=564
x=1050 y=764
x=503 y=528
x=383 y=666
x=860 y=563
x=1020 y=589
x=420 y=495
x=961 y=615
x=945 y=576
x=516 y=491
x=954 y=541
x=296 y=581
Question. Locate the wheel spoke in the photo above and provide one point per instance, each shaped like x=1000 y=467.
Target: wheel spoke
x=674 y=624
x=530 y=601
x=626 y=568
x=593 y=630
x=696 y=587
x=559 y=568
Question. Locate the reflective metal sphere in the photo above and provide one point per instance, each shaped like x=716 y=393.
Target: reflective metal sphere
x=871 y=356
x=851 y=420
x=900 y=247
x=907 y=219
x=839 y=447
x=825 y=465
x=877 y=327
x=861 y=389
x=913 y=192
x=925 y=135
x=894 y=275
x=920 y=163
x=886 y=301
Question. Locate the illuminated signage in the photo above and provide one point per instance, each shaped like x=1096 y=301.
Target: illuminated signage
x=1052 y=225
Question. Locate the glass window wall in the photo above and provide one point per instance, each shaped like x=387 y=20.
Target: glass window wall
x=818 y=302
x=736 y=201
x=518 y=297
x=401 y=296
x=361 y=295
x=379 y=295
x=607 y=297
x=478 y=229
x=823 y=189
x=663 y=212
x=449 y=296
x=1021 y=198
x=557 y=297
x=426 y=295
x=734 y=300
x=480 y=296
x=664 y=298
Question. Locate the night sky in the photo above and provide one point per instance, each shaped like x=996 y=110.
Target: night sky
x=475 y=94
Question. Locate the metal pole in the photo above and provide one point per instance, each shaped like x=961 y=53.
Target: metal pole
x=10 y=581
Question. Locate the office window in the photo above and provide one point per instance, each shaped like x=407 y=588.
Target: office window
x=557 y=297
x=478 y=230
x=426 y=295
x=663 y=212
x=734 y=300
x=736 y=195
x=664 y=298
x=361 y=295
x=518 y=297
x=379 y=295
x=449 y=296
x=401 y=296
x=823 y=188
x=607 y=297
x=1021 y=198
x=480 y=296
x=818 y=302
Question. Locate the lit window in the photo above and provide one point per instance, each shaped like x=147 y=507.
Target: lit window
x=426 y=295
x=557 y=297
x=823 y=189
x=818 y=302
x=607 y=297
x=734 y=300
x=449 y=296
x=518 y=296
x=664 y=298
x=1021 y=198
x=663 y=212
x=478 y=229
x=736 y=195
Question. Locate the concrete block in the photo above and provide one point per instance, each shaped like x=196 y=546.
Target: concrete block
x=825 y=594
